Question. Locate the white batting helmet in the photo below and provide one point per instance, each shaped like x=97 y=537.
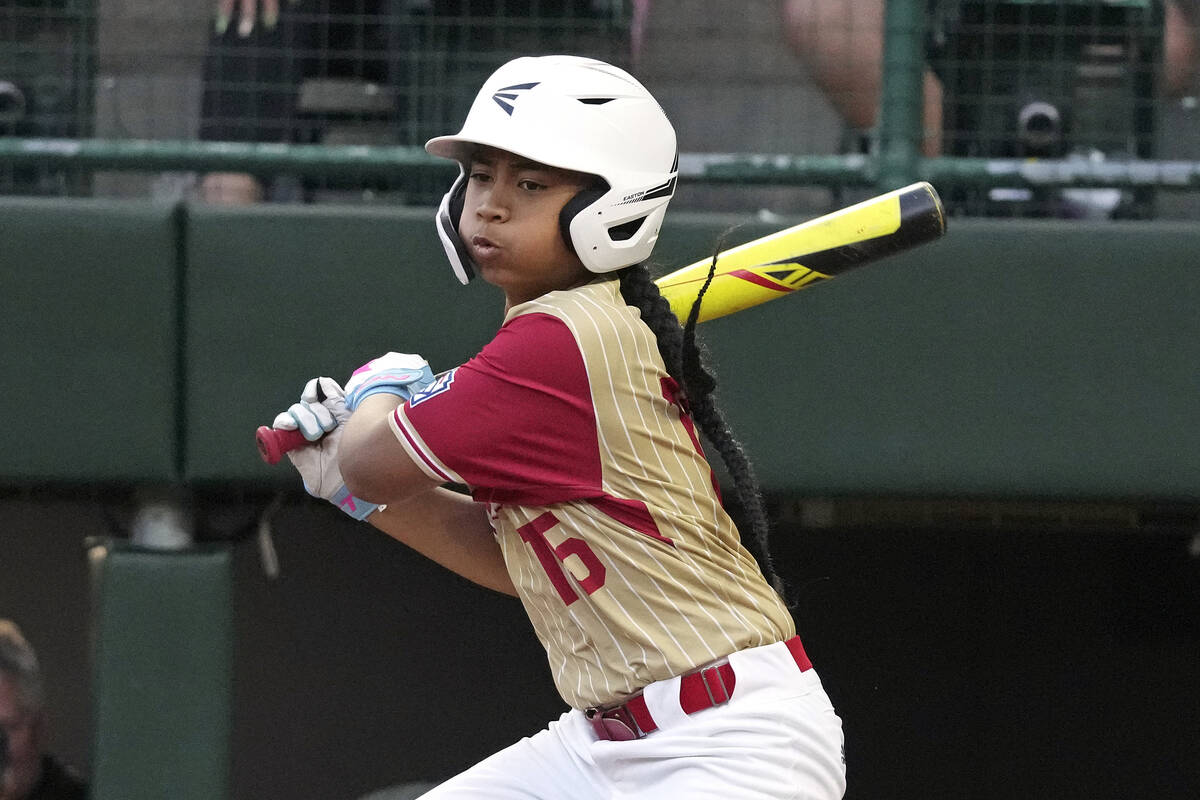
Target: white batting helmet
x=583 y=115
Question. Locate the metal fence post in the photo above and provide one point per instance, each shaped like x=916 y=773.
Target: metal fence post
x=901 y=93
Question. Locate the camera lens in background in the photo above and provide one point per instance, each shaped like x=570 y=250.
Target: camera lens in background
x=1040 y=128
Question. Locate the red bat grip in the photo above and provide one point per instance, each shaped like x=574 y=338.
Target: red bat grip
x=274 y=442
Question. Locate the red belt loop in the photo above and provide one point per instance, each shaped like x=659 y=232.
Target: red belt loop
x=797 y=651
x=707 y=688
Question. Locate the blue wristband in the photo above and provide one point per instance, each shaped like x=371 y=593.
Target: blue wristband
x=387 y=382
x=355 y=400
x=359 y=509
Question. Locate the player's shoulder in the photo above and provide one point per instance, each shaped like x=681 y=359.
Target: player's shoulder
x=594 y=309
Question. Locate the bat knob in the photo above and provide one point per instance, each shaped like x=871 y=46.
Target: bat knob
x=273 y=443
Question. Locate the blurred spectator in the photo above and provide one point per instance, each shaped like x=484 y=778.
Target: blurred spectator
x=29 y=772
x=995 y=87
x=255 y=66
x=1180 y=60
x=841 y=42
x=376 y=72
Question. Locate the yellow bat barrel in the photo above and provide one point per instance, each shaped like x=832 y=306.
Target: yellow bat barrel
x=808 y=253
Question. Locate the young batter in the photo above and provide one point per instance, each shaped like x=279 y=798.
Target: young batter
x=590 y=498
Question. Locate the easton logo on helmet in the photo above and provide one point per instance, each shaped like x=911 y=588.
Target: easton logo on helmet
x=663 y=190
x=506 y=98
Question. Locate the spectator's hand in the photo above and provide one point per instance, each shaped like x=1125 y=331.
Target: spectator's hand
x=248 y=13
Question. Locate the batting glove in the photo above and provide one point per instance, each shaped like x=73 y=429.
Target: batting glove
x=401 y=374
x=319 y=415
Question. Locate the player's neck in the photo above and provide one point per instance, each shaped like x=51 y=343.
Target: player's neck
x=510 y=301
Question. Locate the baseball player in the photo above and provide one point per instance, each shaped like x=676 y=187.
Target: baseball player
x=590 y=498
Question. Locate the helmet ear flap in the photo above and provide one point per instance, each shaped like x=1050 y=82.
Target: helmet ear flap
x=577 y=204
x=458 y=198
x=449 y=214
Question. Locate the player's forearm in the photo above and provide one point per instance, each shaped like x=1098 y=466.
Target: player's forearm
x=451 y=529
x=373 y=464
x=444 y=526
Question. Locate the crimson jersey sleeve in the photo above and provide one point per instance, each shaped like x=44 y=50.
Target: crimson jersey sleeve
x=516 y=424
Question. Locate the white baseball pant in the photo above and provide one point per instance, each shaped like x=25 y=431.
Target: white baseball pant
x=777 y=738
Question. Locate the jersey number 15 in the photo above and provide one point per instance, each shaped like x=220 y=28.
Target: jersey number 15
x=552 y=558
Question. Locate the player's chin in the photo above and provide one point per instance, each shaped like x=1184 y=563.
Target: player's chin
x=490 y=268
x=497 y=274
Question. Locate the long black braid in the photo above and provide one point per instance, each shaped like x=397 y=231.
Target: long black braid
x=685 y=362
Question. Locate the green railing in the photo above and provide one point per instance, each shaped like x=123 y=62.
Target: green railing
x=893 y=159
x=903 y=167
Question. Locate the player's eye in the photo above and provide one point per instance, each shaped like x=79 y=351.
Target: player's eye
x=531 y=185
x=478 y=175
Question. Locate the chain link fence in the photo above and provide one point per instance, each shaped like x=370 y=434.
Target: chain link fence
x=333 y=73
x=1075 y=108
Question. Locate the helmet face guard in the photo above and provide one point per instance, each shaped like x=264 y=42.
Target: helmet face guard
x=582 y=115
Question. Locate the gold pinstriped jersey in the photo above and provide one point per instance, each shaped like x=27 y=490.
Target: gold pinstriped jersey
x=568 y=427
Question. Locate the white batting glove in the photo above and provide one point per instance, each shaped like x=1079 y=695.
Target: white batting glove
x=401 y=374
x=319 y=415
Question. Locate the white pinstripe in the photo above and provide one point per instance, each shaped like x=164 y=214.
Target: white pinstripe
x=648 y=352
x=624 y=362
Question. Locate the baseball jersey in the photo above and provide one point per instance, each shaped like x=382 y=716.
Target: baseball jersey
x=568 y=427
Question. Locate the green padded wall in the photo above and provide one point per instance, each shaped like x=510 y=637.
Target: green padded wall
x=163 y=686
x=1008 y=359
x=278 y=295
x=87 y=321
x=1013 y=357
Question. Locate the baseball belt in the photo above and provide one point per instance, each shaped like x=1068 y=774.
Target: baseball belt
x=698 y=690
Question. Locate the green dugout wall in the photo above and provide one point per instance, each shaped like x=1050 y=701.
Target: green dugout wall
x=1014 y=358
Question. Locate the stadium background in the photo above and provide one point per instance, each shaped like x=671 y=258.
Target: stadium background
x=981 y=455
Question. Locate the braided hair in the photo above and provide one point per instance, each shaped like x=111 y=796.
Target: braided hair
x=685 y=363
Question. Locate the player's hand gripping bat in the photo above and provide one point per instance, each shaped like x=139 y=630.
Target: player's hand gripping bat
x=773 y=266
